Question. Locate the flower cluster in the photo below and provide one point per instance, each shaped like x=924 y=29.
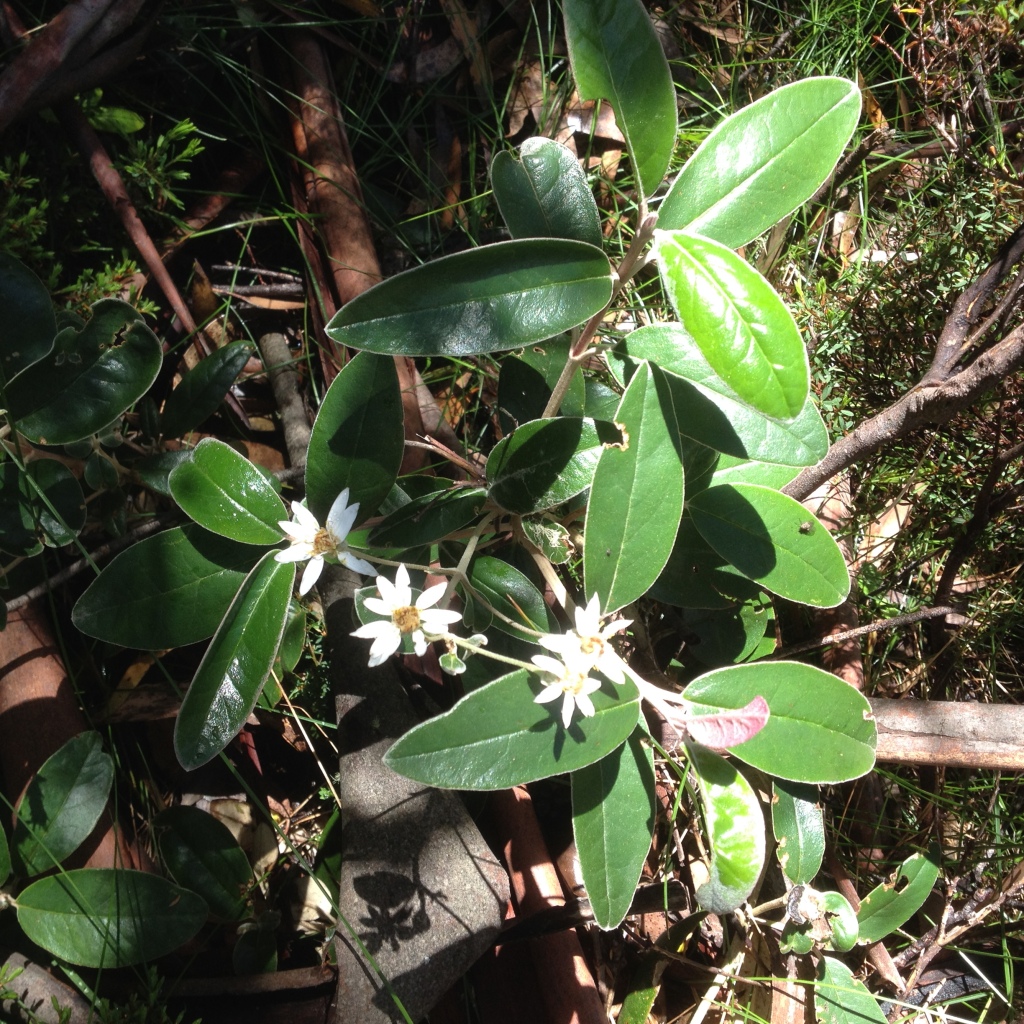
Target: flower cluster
x=581 y=651
x=404 y=617
x=308 y=540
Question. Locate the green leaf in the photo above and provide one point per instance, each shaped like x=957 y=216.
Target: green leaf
x=165 y=591
x=497 y=736
x=201 y=854
x=358 y=438
x=772 y=539
x=202 y=389
x=544 y=194
x=636 y=500
x=429 y=518
x=226 y=494
x=799 y=828
x=491 y=299
x=25 y=519
x=155 y=470
x=764 y=161
x=735 y=831
x=549 y=537
x=890 y=905
x=613 y=814
x=738 y=320
x=109 y=917
x=506 y=589
x=724 y=636
x=616 y=56
x=5 y=858
x=820 y=729
x=546 y=462
x=841 y=921
x=62 y=804
x=92 y=376
x=730 y=470
x=839 y=998
x=29 y=325
x=236 y=664
x=526 y=381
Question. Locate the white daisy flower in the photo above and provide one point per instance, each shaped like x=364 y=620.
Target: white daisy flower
x=306 y=539
x=404 y=617
x=589 y=641
x=570 y=682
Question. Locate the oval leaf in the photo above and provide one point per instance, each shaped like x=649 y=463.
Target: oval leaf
x=890 y=905
x=203 y=388
x=29 y=325
x=429 y=518
x=41 y=503
x=201 y=854
x=819 y=728
x=508 y=591
x=236 y=664
x=772 y=539
x=92 y=376
x=497 y=736
x=613 y=814
x=839 y=998
x=546 y=462
x=735 y=831
x=358 y=439
x=226 y=494
x=616 y=56
x=490 y=299
x=738 y=321
x=764 y=161
x=109 y=917
x=799 y=827
x=544 y=194
x=62 y=804
x=727 y=636
x=636 y=500
x=165 y=591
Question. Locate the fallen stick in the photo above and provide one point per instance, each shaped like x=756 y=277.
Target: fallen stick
x=950 y=734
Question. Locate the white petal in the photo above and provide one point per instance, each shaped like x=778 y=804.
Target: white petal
x=549 y=693
x=296 y=533
x=419 y=642
x=402 y=590
x=550 y=665
x=567 y=708
x=304 y=517
x=431 y=595
x=311 y=574
x=384 y=646
x=296 y=553
x=372 y=630
x=358 y=565
x=434 y=620
x=388 y=593
x=588 y=620
x=585 y=704
x=565 y=644
x=615 y=626
x=378 y=607
x=612 y=668
x=341 y=517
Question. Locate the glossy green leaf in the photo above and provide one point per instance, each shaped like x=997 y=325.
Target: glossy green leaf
x=764 y=161
x=62 y=804
x=695 y=576
x=551 y=538
x=236 y=664
x=358 y=439
x=527 y=379
x=772 y=539
x=203 y=388
x=799 y=828
x=636 y=499
x=820 y=729
x=226 y=494
x=109 y=917
x=429 y=518
x=730 y=470
x=155 y=470
x=511 y=593
x=839 y=998
x=491 y=299
x=735 y=831
x=616 y=56
x=613 y=814
x=738 y=320
x=724 y=636
x=165 y=591
x=293 y=641
x=841 y=921
x=709 y=411
x=54 y=517
x=890 y=905
x=29 y=325
x=544 y=193
x=92 y=376
x=497 y=736
x=201 y=854
x=546 y=462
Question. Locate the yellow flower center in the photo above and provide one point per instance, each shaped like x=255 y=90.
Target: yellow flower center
x=592 y=645
x=323 y=542
x=573 y=683
x=407 y=619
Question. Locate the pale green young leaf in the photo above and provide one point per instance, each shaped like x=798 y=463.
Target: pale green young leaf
x=890 y=905
x=839 y=998
x=799 y=828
